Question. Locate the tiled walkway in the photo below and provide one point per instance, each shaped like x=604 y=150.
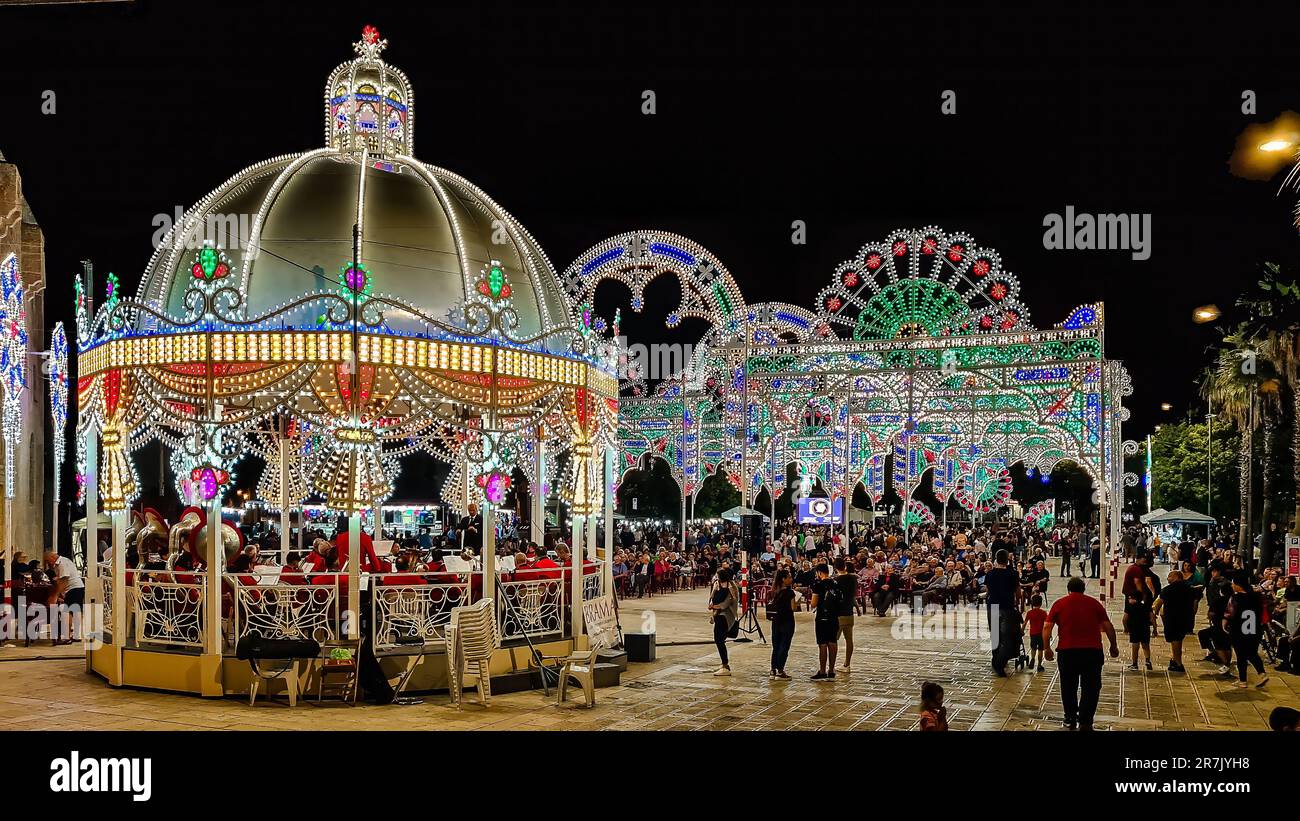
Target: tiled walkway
x=678 y=691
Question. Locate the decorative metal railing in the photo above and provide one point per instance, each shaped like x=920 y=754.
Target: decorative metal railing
x=400 y=613
x=592 y=584
x=285 y=611
x=106 y=599
x=166 y=612
x=534 y=608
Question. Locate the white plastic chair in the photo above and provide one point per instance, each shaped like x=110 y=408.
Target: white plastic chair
x=580 y=667
x=472 y=638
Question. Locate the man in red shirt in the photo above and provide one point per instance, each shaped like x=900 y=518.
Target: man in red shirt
x=1081 y=620
x=1139 y=581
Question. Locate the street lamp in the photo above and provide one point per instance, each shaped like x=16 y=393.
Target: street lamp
x=1165 y=406
x=1206 y=313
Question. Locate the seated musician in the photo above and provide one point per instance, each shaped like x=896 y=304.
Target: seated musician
x=316 y=561
x=546 y=568
x=406 y=569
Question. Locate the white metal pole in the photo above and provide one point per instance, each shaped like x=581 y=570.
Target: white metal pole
x=216 y=566
x=91 y=533
x=489 y=551
x=537 y=519
x=119 y=592
x=352 y=622
x=575 y=577
x=284 y=500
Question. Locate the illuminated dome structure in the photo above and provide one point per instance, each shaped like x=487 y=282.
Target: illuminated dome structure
x=335 y=310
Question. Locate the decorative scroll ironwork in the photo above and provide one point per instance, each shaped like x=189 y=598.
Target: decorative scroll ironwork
x=534 y=608
x=407 y=611
x=286 y=611
x=168 y=613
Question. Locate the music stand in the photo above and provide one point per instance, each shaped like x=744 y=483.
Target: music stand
x=750 y=623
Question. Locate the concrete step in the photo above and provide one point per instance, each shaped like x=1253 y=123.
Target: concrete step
x=618 y=657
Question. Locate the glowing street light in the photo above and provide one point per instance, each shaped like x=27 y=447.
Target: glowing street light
x=1206 y=313
x=1276 y=145
x=1165 y=406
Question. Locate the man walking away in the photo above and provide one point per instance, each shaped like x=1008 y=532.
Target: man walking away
x=1213 y=638
x=1080 y=620
x=1003 y=588
x=847 y=581
x=1095 y=558
x=826 y=601
x=1177 y=601
x=1244 y=623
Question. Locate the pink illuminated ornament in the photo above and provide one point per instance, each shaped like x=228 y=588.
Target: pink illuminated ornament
x=899 y=248
x=494 y=484
x=209 y=480
x=370 y=34
x=981 y=267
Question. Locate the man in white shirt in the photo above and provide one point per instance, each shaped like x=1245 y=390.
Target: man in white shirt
x=68 y=587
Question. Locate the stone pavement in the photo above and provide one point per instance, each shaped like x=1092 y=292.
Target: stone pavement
x=45 y=688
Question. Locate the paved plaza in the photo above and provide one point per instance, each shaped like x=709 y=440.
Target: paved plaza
x=48 y=688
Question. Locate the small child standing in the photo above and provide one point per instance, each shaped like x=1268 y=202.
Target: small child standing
x=934 y=716
x=1035 y=619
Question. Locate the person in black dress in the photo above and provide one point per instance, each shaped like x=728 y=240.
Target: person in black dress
x=781 y=606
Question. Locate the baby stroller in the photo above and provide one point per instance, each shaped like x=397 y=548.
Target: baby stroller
x=1016 y=635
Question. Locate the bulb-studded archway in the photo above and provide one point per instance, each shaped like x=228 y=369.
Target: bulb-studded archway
x=918 y=357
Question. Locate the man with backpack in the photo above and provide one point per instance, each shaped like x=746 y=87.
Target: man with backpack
x=826 y=601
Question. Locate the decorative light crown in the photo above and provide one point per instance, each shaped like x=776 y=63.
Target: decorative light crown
x=368 y=103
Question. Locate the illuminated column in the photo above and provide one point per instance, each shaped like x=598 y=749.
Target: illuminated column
x=575 y=577
x=607 y=569
x=683 y=520
x=284 y=499
x=771 y=523
x=538 y=496
x=352 y=623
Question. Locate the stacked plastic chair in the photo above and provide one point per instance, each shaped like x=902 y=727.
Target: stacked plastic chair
x=472 y=637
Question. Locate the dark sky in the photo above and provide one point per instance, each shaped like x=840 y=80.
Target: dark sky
x=764 y=117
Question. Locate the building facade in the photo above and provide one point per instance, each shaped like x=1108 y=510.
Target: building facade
x=22 y=237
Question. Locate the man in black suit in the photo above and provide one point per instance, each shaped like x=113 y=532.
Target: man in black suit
x=472 y=528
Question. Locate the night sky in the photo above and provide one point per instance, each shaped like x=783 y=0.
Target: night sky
x=764 y=117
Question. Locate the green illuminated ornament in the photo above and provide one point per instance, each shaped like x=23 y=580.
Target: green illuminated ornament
x=208 y=262
x=112 y=294
x=493 y=285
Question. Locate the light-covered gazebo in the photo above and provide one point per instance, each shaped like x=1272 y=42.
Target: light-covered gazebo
x=378 y=306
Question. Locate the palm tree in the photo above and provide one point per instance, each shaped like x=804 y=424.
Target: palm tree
x=1273 y=324
x=1240 y=375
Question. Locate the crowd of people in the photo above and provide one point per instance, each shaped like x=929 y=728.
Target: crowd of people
x=1006 y=569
